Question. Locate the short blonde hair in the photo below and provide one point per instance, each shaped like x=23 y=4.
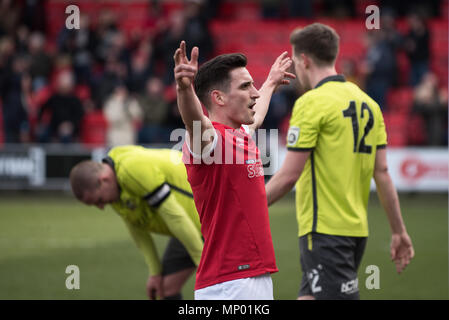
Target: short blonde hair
x=84 y=177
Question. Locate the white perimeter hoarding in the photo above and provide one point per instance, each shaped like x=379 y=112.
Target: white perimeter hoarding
x=411 y=169
x=419 y=169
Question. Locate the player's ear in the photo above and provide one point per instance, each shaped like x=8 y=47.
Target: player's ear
x=217 y=97
x=103 y=176
x=305 y=60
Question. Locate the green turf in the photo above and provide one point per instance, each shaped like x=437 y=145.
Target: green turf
x=41 y=236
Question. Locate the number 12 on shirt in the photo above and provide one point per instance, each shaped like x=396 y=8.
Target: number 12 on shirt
x=351 y=112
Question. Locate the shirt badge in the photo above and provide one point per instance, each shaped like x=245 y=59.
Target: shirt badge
x=292 y=135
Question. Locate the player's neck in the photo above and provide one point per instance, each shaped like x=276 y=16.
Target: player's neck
x=110 y=173
x=320 y=73
x=223 y=119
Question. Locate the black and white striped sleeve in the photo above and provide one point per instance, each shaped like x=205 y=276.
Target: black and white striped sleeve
x=155 y=198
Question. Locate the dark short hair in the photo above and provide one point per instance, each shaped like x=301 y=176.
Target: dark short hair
x=319 y=41
x=214 y=74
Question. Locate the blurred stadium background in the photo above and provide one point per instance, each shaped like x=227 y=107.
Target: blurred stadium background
x=68 y=95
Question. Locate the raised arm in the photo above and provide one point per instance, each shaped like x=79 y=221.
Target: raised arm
x=188 y=103
x=401 y=246
x=276 y=77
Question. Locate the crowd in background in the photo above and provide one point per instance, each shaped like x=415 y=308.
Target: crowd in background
x=382 y=73
x=46 y=93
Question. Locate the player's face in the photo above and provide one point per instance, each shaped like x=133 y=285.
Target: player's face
x=106 y=193
x=301 y=73
x=241 y=98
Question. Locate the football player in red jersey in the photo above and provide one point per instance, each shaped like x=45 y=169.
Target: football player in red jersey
x=238 y=255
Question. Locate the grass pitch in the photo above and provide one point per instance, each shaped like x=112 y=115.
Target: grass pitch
x=40 y=235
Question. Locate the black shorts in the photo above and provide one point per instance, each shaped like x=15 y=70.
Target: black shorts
x=176 y=258
x=329 y=264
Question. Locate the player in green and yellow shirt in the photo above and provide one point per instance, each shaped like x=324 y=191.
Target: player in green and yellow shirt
x=148 y=188
x=326 y=121
x=336 y=144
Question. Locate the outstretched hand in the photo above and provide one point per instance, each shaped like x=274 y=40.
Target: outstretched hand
x=278 y=73
x=401 y=250
x=185 y=69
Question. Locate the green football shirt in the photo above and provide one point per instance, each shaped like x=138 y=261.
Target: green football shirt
x=155 y=196
x=342 y=127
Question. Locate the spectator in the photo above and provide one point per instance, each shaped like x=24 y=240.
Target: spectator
x=65 y=112
x=431 y=104
x=155 y=111
x=168 y=41
x=13 y=86
x=339 y=8
x=104 y=32
x=378 y=66
x=7 y=51
x=40 y=61
x=80 y=45
x=114 y=73
x=417 y=46
x=122 y=112
x=392 y=38
x=117 y=49
x=141 y=67
x=34 y=14
x=190 y=25
x=388 y=26
x=22 y=36
x=197 y=28
x=9 y=16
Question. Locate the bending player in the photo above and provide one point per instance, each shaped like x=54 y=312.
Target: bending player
x=148 y=188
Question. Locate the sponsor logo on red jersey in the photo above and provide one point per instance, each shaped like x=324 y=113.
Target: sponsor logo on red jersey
x=255 y=168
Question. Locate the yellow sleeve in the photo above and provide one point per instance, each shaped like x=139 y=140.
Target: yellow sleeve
x=381 y=133
x=304 y=126
x=145 y=243
x=139 y=176
x=182 y=227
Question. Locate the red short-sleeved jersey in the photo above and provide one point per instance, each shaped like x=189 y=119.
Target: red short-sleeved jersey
x=230 y=197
